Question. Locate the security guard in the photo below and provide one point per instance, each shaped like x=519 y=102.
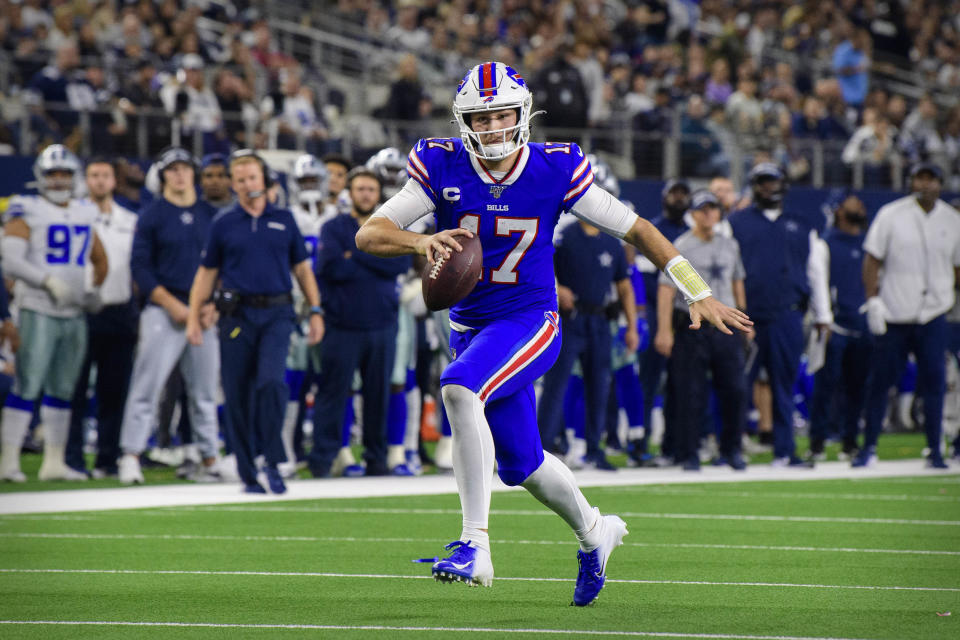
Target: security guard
x=786 y=271
x=587 y=262
x=252 y=247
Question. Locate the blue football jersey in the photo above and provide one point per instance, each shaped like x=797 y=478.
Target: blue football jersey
x=514 y=216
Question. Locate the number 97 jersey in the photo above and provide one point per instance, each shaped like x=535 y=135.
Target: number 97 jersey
x=60 y=242
x=514 y=214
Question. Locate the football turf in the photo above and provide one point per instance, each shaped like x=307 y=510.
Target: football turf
x=860 y=558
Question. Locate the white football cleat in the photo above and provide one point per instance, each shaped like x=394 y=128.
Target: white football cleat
x=128 y=469
x=57 y=470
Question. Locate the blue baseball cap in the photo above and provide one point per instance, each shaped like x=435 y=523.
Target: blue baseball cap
x=765 y=170
x=930 y=167
x=213 y=158
x=704 y=198
x=675 y=183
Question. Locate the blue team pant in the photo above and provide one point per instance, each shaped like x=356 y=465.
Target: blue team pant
x=779 y=346
x=500 y=362
x=586 y=337
x=253 y=353
x=839 y=389
x=927 y=342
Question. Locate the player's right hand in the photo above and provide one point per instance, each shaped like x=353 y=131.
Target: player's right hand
x=663 y=342
x=194 y=332
x=178 y=312
x=59 y=290
x=442 y=242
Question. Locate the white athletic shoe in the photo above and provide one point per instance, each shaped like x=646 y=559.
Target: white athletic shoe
x=343 y=461
x=443 y=456
x=13 y=475
x=128 y=469
x=228 y=468
x=593 y=564
x=57 y=470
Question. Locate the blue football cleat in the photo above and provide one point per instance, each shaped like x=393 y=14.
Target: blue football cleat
x=467 y=564
x=593 y=564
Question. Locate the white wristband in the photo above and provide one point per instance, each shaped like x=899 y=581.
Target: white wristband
x=687 y=280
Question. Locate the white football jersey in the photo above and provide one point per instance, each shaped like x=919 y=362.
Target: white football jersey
x=115 y=230
x=60 y=242
x=310 y=225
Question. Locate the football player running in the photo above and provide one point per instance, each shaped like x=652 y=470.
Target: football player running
x=505 y=334
x=47 y=244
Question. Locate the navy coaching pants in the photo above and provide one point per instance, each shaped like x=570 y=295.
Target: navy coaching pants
x=779 y=346
x=343 y=352
x=253 y=355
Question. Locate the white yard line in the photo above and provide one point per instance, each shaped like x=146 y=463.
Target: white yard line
x=188 y=494
x=424 y=541
x=771 y=495
x=388 y=576
x=456 y=630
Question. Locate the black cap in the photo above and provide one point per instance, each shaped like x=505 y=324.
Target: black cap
x=766 y=170
x=675 y=183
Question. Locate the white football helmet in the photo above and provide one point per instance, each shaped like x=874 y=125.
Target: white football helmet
x=493 y=86
x=57 y=157
x=309 y=184
x=391 y=166
x=603 y=175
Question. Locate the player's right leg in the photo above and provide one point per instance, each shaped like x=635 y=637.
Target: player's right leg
x=159 y=347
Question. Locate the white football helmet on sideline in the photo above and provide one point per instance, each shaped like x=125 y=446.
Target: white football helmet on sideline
x=603 y=175
x=57 y=157
x=391 y=166
x=309 y=181
x=493 y=86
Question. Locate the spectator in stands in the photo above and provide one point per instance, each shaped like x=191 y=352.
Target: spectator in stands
x=235 y=98
x=910 y=272
x=50 y=87
x=651 y=127
x=194 y=102
x=919 y=136
x=561 y=91
x=407 y=33
x=64 y=30
x=851 y=62
x=718 y=88
x=873 y=145
x=407 y=100
x=744 y=113
x=700 y=152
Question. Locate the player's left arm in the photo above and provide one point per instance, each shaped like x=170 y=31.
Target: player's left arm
x=98 y=257
x=609 y=214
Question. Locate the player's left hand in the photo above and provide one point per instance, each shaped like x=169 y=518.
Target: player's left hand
x=317 y=329
x=823 y=330
x=719 y=315
x=194 y=331
x=10 y=335
x=631 y=339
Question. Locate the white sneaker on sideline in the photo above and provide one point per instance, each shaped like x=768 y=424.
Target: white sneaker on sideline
x=128 y=469
x=58 y=470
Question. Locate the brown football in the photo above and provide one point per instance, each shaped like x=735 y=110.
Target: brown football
x=449 y=280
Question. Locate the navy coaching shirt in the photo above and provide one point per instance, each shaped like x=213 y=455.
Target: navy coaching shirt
x=167 y=246
x=588 y=264
x=255 y=254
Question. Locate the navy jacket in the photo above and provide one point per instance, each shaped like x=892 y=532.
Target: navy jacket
x=588 y=264
x=775 y=260
x=167 y=246
x=846 y=282
x=359 y=292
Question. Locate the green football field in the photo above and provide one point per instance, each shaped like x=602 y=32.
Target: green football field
x=857 y=558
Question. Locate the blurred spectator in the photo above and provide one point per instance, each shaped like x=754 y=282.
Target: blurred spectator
x=407 y=33
x=851 y=63
x=561 y=91
x=919 y=136
x=744 y=113
x=50 y=87
x=140 y=99
x=235 y=98
x=297 y=117
x=718 y=88
x=700 y=153
x=873 y=146
x=407 y=100
x=584 y=60
x=194 y=102
x=651 y=127
x=63 y=31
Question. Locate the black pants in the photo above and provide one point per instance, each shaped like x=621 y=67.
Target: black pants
x=113 y=355
x=695 y=354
